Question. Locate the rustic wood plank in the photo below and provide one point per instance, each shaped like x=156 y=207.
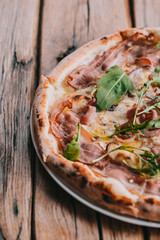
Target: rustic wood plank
x=146 y=14
x=114 y=229
x=56 y=213
x=86 y=21
x=18 y=26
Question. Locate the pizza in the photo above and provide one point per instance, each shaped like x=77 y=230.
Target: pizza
x=96 y=121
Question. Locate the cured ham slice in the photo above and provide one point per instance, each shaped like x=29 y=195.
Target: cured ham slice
x=89 y=115
x=86 y=75
x=156 y=149
x=64 y=126
x=66 y=116
x=152 y=115
x=89 y=150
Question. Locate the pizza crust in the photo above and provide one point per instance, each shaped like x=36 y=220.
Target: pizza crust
x=107 y=191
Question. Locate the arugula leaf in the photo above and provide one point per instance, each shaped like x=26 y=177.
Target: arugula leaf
x=150 y=107
x=140 y=95
x=134 y=128
x=154 y=124
x=156 y=76
x=73 y=148
x=147 y=160
x=112 y=87
x=143 y=90
x=157 y=46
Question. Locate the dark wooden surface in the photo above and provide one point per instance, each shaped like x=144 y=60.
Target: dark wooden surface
x=35 y=36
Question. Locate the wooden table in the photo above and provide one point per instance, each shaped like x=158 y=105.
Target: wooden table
x=35 y=35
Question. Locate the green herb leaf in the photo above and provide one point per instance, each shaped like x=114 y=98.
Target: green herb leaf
x=112 y=87
x=143 y=90
x=73 y=148
x=140 y=95
x=156 y=76
x=154 y=124
x=149 y=108
x=147 y=160
x=157 y=46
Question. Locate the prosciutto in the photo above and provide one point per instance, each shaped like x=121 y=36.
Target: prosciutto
x=65 y=118
x=149 y=59
x=85 y=76
x=89 y=115
x=64 y=126
x=89 y=150
x=126 y=52
x=152 y=115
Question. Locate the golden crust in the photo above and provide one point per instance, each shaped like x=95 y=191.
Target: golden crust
x=107 y=191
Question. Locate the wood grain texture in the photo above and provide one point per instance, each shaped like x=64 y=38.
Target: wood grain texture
x=114 y=229
x=58 y=215
x=146 y=13
x=69 y=24
x=18 y=26
x=55 y=211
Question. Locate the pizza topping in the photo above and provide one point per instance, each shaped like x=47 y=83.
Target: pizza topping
x=130 y=128
x=136 y=74
x=125 y=138
x=89 y=115
x=85 y=76
x=89 y=149
x=153 y=104
x=148 y=164
x=143 y=61
x=64 y=126
x=150 y=117
x=153 y=188
x=120 y=54
x=112 y=87
x=73 y=148
x=156 y=149
x=82 y=148
x=156 y=76
x=158 y=47
x=125 y=52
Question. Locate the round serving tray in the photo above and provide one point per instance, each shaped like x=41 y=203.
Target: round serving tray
x=87 y=201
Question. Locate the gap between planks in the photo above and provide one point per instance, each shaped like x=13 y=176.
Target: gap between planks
x=37 y=77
